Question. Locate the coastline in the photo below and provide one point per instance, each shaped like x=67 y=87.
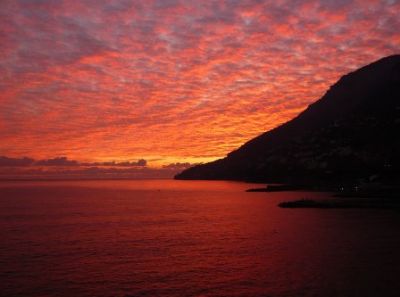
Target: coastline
x=371 y=197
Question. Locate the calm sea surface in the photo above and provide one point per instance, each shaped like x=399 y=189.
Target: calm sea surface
x=188 y=238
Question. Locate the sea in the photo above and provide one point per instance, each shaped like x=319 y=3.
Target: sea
x=188 y=238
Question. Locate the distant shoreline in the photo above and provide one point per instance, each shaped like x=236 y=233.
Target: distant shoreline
x=378 y=197
x=360 y=203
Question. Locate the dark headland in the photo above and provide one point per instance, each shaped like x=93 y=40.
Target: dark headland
x=348 y=139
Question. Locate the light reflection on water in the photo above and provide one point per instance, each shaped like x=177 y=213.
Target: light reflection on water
x=188 y=238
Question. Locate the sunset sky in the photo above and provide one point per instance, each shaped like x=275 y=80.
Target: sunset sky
x=159 y=84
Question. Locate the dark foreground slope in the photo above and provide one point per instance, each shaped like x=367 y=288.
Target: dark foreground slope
x=349 y=135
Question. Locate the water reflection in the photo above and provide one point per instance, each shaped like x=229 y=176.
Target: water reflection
x=182 y=238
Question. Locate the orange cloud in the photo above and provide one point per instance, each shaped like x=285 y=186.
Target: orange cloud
x=172 y=81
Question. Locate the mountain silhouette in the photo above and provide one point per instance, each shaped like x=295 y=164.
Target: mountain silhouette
x=349 y=135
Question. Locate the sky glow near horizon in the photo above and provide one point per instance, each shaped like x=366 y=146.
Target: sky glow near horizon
x=172 y=81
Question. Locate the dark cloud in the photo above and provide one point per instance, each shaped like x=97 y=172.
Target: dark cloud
x=65 y=162
x=15 y=162
x=335 y=4
x=179 y=166
x=59 y=161
x=138 y=163
x=61 y=167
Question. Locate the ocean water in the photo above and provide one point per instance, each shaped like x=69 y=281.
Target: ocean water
x=188 y=238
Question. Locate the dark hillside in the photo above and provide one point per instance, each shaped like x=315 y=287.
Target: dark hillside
x=349 y=135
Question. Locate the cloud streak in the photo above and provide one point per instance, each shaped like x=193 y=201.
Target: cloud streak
x=65 y=162
x=63 y=168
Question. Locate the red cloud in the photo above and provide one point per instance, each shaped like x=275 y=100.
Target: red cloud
x=171 y=79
